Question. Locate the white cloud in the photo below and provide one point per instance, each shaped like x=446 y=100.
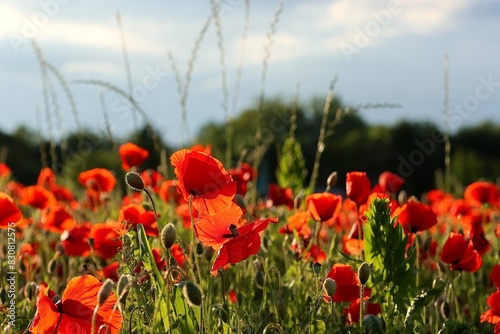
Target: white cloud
x=91 y=67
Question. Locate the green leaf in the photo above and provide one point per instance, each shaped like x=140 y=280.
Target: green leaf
x=419 y=302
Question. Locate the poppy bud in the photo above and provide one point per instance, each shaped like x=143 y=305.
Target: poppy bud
x=259 y=279
x=3 y=295
x=199 y=248
x=209 y=253
x=329 y=287
x=122 y=288
x=52 y=265
x=168 y=236
x=224 y=313
x=441 y=268
x=134 y=181
x=30 y=290
x=57 y=300
x=240 y=202
x=364 y=272
x=192 y=293
x=281 y=307
x=316 y=268
x=172 y=262
x=332 y=180
x=104 y=292
x=427 y=244
x=297 y=201
x=402 y=197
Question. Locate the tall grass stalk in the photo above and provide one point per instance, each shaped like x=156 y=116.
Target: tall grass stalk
x=133 y=102
x=46 y=102
x=127 y=65
x=225 y=95
x=265 y=61
x=43 y=153
x=322 y=136
x=106 y=119
x=187 y=77
x=234 y=103
x=446 y=116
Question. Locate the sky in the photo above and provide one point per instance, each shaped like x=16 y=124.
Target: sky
x=380 y=51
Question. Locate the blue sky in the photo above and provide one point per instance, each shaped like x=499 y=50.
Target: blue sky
x=381 y=51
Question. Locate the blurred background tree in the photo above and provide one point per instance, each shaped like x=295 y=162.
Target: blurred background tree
x=411 y=148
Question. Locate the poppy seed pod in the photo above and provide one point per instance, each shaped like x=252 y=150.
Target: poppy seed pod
x=192 y=293
x=364 y=272
x=134 y=181
x=329 y=287
x=259 y=279
x=104 y=292
x=168 y=236
x=316 y=266
x=332 y=180
x=122 y=288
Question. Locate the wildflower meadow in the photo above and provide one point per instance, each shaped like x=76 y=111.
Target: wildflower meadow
x=194 y=245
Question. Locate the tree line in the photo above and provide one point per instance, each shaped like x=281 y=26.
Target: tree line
x=414 y=150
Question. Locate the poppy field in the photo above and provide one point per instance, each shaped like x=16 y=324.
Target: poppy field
x=201 y=252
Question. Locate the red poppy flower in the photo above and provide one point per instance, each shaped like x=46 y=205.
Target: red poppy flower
x=46 y=178
x=322 y=206
x=98 y=179
x=233 y=297
x=390 y=182
x=495 y=275
x=62 y=194
x=57 y=219
x=352 y=313
x=242 y=175
x=480 y=192
x=298 y=222
x=9 y=212
x=479 y=241
x=136 y=214
x=460 y=254
x=311 y=253
x=75 y=240
x=200 y=148
x=178 y=254
x=160 y=264
x=203 y=177
x=244 y=243
x=73 y=313
x=347 y=284
x=493 y=314
x=358 y=187
x=111 y=271
x=106 y=239
x=214 y=230
x=224 y=232
x=169 y=192
x=37 y=197
x=182 y=211
x=4 y=171
x=152 y=179
x=415 y=217
x=277 y=196
x=132 y=155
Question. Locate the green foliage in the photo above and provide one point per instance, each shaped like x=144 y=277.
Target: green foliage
x=393 y=274
x=419 y=302
x=457 y=327
x=291 y=166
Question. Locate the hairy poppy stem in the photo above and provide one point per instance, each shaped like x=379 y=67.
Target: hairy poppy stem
x=94 y=315
x=193 y=237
